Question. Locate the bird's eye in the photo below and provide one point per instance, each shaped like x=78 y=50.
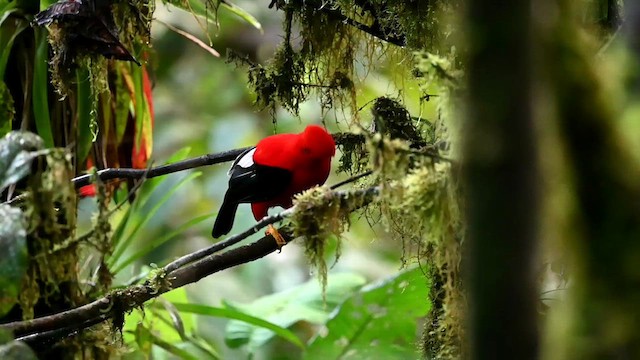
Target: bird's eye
x=306 y=150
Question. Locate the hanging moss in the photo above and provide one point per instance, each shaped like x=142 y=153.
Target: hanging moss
x=332 y=34
x=354 y=158
x=281 y=81
x=392 y=119
x=320 y=215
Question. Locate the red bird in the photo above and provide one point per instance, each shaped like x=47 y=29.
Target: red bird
x=273 y=171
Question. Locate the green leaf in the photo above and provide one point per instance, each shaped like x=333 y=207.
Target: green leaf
x=198 y=8
x=243 y=14
x=7 y=110
x=6 y=336
x=40 y=88
x=301 y=303
x=209 y=13
x=46 y=3
x=131 y=214
x=151 y=245
x=229 y=313
x=378 y=322
x=5 y=6
x=84 y=99
x=123 y=101
x=13 y=262
x=144 y=333
x=179 y=155
x=17 y=150
x=155 y=319
x=164 y=324
x=142 y=114
x=122 y=245
x=9 y=30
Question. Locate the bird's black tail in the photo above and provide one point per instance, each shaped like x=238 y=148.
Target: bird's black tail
x=225 y=218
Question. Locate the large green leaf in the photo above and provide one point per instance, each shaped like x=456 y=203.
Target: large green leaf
x=301 y=303
x=141 y=105
x=40 y=88
x=83 y=99
x=9 y=30
x=123 y=244
x=13 y=262
x=17 y=150
x=133 y=215
x=229 y=313
x=378 y=322
x=243 y=14
x=6 y=5
x=203 y=9
x=157 y=241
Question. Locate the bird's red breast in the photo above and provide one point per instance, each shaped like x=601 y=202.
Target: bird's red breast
x=306 y=155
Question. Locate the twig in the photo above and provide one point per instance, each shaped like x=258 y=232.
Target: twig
x=212 y=159
x=267 y=220
x=377 y=32
x=125 y=173
x=199 y=254
x=121 y=301
x=191 y=37
x=204 y=160
x=48 y=338
x=352 y=179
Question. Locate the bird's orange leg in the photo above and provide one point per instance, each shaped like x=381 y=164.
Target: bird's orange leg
x=271 y=230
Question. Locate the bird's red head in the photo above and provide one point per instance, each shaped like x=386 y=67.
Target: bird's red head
x=317 y=142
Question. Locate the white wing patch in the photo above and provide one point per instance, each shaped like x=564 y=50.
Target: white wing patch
x=247 y=160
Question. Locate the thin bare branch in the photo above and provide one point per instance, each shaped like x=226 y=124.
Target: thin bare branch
x=125 y=173
x=204 y=160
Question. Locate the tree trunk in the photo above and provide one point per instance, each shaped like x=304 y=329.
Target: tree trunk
x=501 y=180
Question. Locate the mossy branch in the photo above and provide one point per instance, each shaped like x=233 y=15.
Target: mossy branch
x=374 y=30
x=186 y=270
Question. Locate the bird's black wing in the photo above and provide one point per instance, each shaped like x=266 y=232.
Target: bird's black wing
x=250 y=182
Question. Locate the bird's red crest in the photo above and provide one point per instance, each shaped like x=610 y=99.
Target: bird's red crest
x=318 y=141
